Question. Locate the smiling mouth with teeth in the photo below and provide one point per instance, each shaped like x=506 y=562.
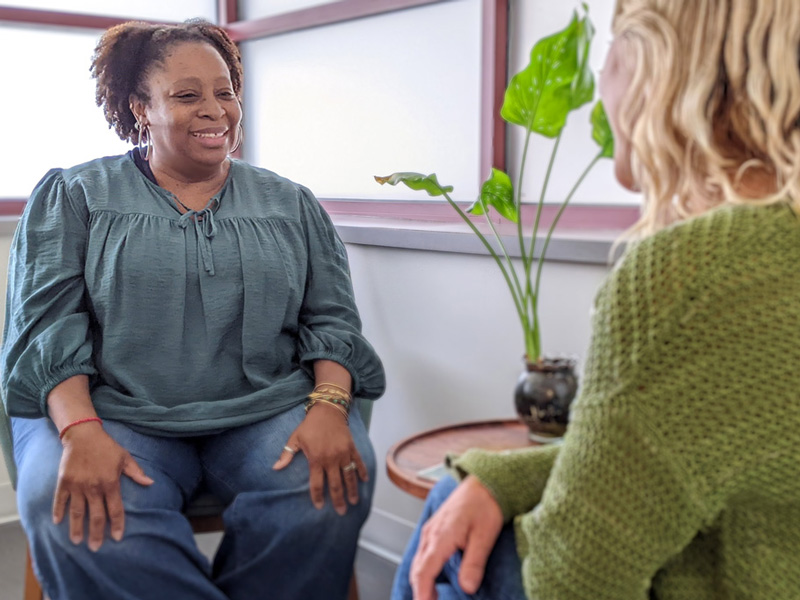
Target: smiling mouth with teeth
x=210 y=135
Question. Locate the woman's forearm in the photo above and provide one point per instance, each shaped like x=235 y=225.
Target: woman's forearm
x=328 y=371
x=70 y=401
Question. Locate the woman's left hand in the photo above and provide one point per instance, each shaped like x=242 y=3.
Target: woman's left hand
x=325 y=438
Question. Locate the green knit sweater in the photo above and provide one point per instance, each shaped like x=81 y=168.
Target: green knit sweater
x=680 y=473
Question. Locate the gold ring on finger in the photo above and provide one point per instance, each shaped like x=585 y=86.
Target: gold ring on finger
x=350 y=467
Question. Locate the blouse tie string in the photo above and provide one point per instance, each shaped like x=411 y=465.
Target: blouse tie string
x=206 y=229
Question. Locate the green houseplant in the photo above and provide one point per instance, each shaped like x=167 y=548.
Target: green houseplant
x=556 y=82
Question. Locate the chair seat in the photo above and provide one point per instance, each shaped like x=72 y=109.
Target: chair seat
x=204 y=504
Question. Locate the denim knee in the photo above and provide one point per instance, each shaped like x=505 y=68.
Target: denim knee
x=443 y=488
x=257 y=512
x=35 y=501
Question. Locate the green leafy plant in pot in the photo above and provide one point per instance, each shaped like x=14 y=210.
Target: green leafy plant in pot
x=539 y=98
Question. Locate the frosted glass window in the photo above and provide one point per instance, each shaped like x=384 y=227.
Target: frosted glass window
x=50 y=116
x=174 y=10
x=257 y=9
x=332 y=106
x=530 y=21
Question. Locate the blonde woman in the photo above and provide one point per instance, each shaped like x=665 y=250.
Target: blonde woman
x=680 y=474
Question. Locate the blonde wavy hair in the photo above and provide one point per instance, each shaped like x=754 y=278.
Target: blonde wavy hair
x=715 y=92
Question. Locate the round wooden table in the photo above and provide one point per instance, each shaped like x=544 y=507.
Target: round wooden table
x=427 y=449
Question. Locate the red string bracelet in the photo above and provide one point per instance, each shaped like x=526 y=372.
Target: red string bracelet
x=78 y=422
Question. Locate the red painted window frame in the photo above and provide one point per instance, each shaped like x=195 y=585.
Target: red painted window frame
x=494 y=72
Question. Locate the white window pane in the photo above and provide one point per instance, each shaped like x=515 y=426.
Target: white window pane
x=174 y=10
x=332 y=106
x=530 y=21
x=48 y=99
x=257 y=9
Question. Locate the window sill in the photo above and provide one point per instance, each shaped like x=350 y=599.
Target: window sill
x=575 y=246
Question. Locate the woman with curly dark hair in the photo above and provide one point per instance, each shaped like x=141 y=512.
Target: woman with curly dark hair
x=179 y=318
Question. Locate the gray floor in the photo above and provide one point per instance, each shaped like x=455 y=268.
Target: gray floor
x=374 y=574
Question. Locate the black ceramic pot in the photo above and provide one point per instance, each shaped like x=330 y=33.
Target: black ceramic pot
x=543 y=396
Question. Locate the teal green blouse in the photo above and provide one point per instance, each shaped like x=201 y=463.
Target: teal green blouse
x=186 y=323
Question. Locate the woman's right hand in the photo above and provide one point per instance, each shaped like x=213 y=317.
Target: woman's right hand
x=88 y=480
x=470 y=520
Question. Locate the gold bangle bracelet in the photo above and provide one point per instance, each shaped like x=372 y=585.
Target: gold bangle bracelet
x=344 y=400
x=312 y=403
x=334 y=386
x=337 y=407
x=335 y=398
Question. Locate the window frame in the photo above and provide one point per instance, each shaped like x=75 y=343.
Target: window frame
x=401 y=214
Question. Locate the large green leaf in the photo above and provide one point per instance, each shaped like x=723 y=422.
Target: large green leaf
x=583 y=85
x=556 y=81
x=497 y=192
x=601 y=131
x=417 y=181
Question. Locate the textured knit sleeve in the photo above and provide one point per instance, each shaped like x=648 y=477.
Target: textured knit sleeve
x=623 y=498
x=330 y=327
x=47 y=336
x=616 y=508
x=516 y=478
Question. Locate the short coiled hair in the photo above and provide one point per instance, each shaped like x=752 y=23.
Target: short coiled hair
x=715 y=91
x=127 y=52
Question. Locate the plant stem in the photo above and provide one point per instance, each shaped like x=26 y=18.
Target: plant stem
x=522 y=316
x=550 y=234
x=503 y=247
x=541 y=199
x=531 y=297
x=525 y=299
x=522 y=251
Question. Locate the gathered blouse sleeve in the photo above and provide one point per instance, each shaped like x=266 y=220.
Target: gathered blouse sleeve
x=330 y=326
x=47 y=335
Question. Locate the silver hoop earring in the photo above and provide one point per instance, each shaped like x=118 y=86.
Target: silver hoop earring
x=239 y=138
x=144 y=135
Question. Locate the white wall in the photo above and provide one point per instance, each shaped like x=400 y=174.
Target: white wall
x=446 y=329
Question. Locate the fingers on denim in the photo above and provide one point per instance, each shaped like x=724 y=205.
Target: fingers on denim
x=157 y=557
x=275 y=541
x=303 y=552
x=501 y=581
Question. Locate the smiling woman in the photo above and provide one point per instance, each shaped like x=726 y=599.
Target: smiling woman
x=178 y=318
x=192 y=123
x=183 y=101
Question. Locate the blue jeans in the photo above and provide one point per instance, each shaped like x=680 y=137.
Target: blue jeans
x=276 y=544
x=502 y=579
